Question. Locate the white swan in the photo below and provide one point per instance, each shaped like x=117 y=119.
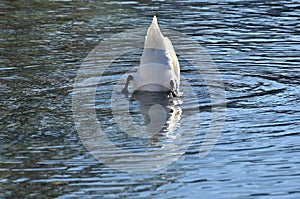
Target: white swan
x=159 y=69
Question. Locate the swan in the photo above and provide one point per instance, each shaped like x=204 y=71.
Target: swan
x=159 y=69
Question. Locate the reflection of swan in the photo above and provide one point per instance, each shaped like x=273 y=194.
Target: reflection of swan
x=159 y=67
x=160 y=112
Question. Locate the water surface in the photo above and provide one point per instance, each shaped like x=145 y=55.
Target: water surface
x=255 y=45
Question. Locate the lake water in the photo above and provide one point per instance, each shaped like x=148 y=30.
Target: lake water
x=46 y=154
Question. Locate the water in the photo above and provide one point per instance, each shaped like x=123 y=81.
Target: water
x=255 y=45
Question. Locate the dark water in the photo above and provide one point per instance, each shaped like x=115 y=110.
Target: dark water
x=255 y=45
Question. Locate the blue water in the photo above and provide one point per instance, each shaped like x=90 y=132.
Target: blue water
x=255 y=46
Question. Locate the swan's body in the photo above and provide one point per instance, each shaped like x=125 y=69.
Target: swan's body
x=159 y=69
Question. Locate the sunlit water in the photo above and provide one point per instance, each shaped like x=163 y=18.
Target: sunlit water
x=255 y=45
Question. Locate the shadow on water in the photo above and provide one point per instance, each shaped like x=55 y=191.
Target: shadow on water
x=144 y=109
x=158 y=112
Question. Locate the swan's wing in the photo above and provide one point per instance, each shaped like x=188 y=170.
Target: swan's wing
x=172 y=57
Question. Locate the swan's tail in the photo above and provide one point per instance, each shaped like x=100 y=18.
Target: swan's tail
x=156 y=40
x=155 y=48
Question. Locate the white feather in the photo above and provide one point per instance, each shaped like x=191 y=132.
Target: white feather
x=159 y=67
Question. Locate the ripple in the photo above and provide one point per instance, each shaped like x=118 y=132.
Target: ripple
x=255 y=45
